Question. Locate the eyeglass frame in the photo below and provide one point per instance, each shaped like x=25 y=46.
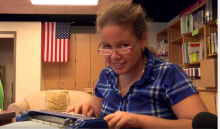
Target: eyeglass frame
x=131 y=47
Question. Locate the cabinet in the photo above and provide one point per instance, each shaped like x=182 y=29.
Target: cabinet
x=97 y=60
x=89 y=62
x=61 y=75
x=51 y=75
x=209 y=98
x=67 y=69
x=216 y=102
x=209 y=74
x=83 y=60
x=83 y=69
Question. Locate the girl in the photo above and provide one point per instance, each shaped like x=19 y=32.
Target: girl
x=137 y=89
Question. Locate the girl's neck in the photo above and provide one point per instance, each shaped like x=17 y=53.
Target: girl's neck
x=134 y=75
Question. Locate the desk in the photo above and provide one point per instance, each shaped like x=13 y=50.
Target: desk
x=6 y=117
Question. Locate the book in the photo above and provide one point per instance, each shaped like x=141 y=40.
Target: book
x=215 y=42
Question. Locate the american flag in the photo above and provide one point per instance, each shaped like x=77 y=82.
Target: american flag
x=55 y=41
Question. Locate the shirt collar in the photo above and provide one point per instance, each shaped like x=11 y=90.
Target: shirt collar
x=148 y=67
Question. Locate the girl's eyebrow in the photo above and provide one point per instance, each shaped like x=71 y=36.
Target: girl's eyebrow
x=117 y=42
x=104 y=43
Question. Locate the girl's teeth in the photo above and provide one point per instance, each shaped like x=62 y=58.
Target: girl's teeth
x=117 y=64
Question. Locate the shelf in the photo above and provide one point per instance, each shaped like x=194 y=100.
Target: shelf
x=163 y=32
x=177 y=41
x=201 y=31
x=175 y=24
x=213 y=23
x=212 y=55
x=193 y=63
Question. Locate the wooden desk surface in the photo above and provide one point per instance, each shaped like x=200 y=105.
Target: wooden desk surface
x=3 y=112
x=7 y=115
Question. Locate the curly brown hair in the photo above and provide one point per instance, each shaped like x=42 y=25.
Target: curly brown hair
x=128 y=15
x=123 y=14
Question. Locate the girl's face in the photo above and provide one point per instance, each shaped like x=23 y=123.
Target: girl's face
x=115 y=37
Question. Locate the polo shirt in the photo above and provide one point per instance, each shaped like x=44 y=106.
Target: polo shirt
x=162 y=85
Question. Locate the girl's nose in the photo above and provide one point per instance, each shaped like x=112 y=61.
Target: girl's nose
x=115 y=55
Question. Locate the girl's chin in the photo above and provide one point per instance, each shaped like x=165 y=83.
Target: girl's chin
x=120 y=72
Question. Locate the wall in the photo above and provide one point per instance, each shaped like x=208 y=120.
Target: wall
x=7 y=59
x=28 y=57
x=154 y=28
x=83 y=29
x=173 y=20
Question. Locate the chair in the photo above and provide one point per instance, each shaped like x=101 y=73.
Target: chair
x=37 y=100
x=88 y=90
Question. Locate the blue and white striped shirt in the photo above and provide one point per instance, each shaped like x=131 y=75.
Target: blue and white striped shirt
x=161 y=86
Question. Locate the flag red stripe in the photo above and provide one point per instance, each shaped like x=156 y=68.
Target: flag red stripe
x=64 y=49
x=51 y=58
x=55 y=50
x=48 y=30
x=43 y=41
x=68 y=50
x=59 y=51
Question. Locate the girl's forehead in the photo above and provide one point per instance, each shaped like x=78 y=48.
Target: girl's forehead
x=115 y=30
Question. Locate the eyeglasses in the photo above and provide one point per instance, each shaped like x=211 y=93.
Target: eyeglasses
x=121 y=51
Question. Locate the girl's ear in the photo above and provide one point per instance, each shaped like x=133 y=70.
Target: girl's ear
x=143 y=39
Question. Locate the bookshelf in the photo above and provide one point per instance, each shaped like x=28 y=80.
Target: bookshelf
x=207 y=85
x=175 y=39
x=162 y=37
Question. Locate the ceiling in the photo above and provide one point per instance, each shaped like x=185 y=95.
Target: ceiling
x=23 y=10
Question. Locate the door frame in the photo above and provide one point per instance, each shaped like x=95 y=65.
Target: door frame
x=10 y=34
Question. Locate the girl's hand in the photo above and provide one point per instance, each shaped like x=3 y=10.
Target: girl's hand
x=121 y=119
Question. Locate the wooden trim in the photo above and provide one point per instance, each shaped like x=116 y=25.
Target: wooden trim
x=207 y=89
x=14 y=78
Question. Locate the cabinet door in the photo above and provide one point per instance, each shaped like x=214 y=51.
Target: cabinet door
x=97 y=60
x=51 y=75
x=68 y=69
x=83 y=60
x=208 y=99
